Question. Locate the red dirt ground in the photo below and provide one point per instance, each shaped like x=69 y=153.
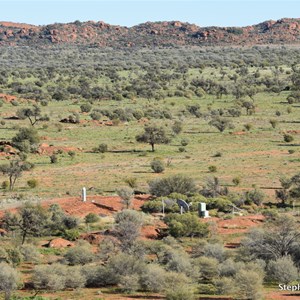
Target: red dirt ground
x=239 y=224
x=96 y=204
x=283 y=295
x=45 y=149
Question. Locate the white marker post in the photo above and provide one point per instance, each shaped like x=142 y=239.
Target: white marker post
x=83 y=194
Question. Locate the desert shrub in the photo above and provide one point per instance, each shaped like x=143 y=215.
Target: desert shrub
x=138 y=114
x=218 y=154
x=95 y=115
x=128 y=226
x=126 y=194
x=248 y=126
x=102 y=148
x=125 y=265
x=131 y=181
x=207 y=268
x=70 y=234
x=177 y=127
x=282 y=270
x=44 y=103
x=32 y=183
x=153 y=278
x=236 y=181
x=178 y=287
x=270 y=214
x=30 y=253
x=86 y=107
x=157 y=165
x=129 y=283
x=181 y=149
x=221 y=204
x=248 y=285
x=91 y=218
x=206 y=288
x=26 y=140
x=176 y=183
x=212 y=169
x=14 y=256
x=273 y=123
x=229 y=268
x=71 y=154
x=53 y=159
x=288 y=138
x=74 y=278
x=5 y=185
x=152 y=206
x=52 y=279
x=79 y=255
x=97 y=276
x=185 y=225
x=9 y=279
x=216 y=251
x=255 y=196
x=224 y=286
x=14 y=103
x=57 y=278
x=184 y=142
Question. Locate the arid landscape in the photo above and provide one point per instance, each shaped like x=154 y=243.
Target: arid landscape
x=158 y=161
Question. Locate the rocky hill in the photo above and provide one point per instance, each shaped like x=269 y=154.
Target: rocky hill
x=164 y=34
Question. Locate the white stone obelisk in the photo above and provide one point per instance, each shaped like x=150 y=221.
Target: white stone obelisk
x=84 y=194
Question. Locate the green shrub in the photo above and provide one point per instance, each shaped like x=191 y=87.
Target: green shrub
x=157 y=165
x=91 y=218
x=102 y=148
x=86 y=107
x=288 y=138
x=184 y=142
x=236 y=181
x=5 y=185
x=212 y=169
x=152 y=206
x=53 y=159
x=32 y=183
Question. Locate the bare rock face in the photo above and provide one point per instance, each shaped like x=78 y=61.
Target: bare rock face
x=157 y=34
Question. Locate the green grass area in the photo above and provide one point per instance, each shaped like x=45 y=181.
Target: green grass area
x=258 y=156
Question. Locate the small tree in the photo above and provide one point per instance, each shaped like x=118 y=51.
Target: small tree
x=26 y=140
x=30 y=220
x=14 y=171
x=221 y=124
x=153 y=135
x=32 y=114
x=126 y=195
x=9 y=280
x=128 y=226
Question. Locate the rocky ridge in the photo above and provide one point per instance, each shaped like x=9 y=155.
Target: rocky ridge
x=150 y=34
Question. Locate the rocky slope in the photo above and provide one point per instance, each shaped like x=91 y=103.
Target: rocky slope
x=165 y=34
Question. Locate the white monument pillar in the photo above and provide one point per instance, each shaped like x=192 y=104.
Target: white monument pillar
x=84 y=194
